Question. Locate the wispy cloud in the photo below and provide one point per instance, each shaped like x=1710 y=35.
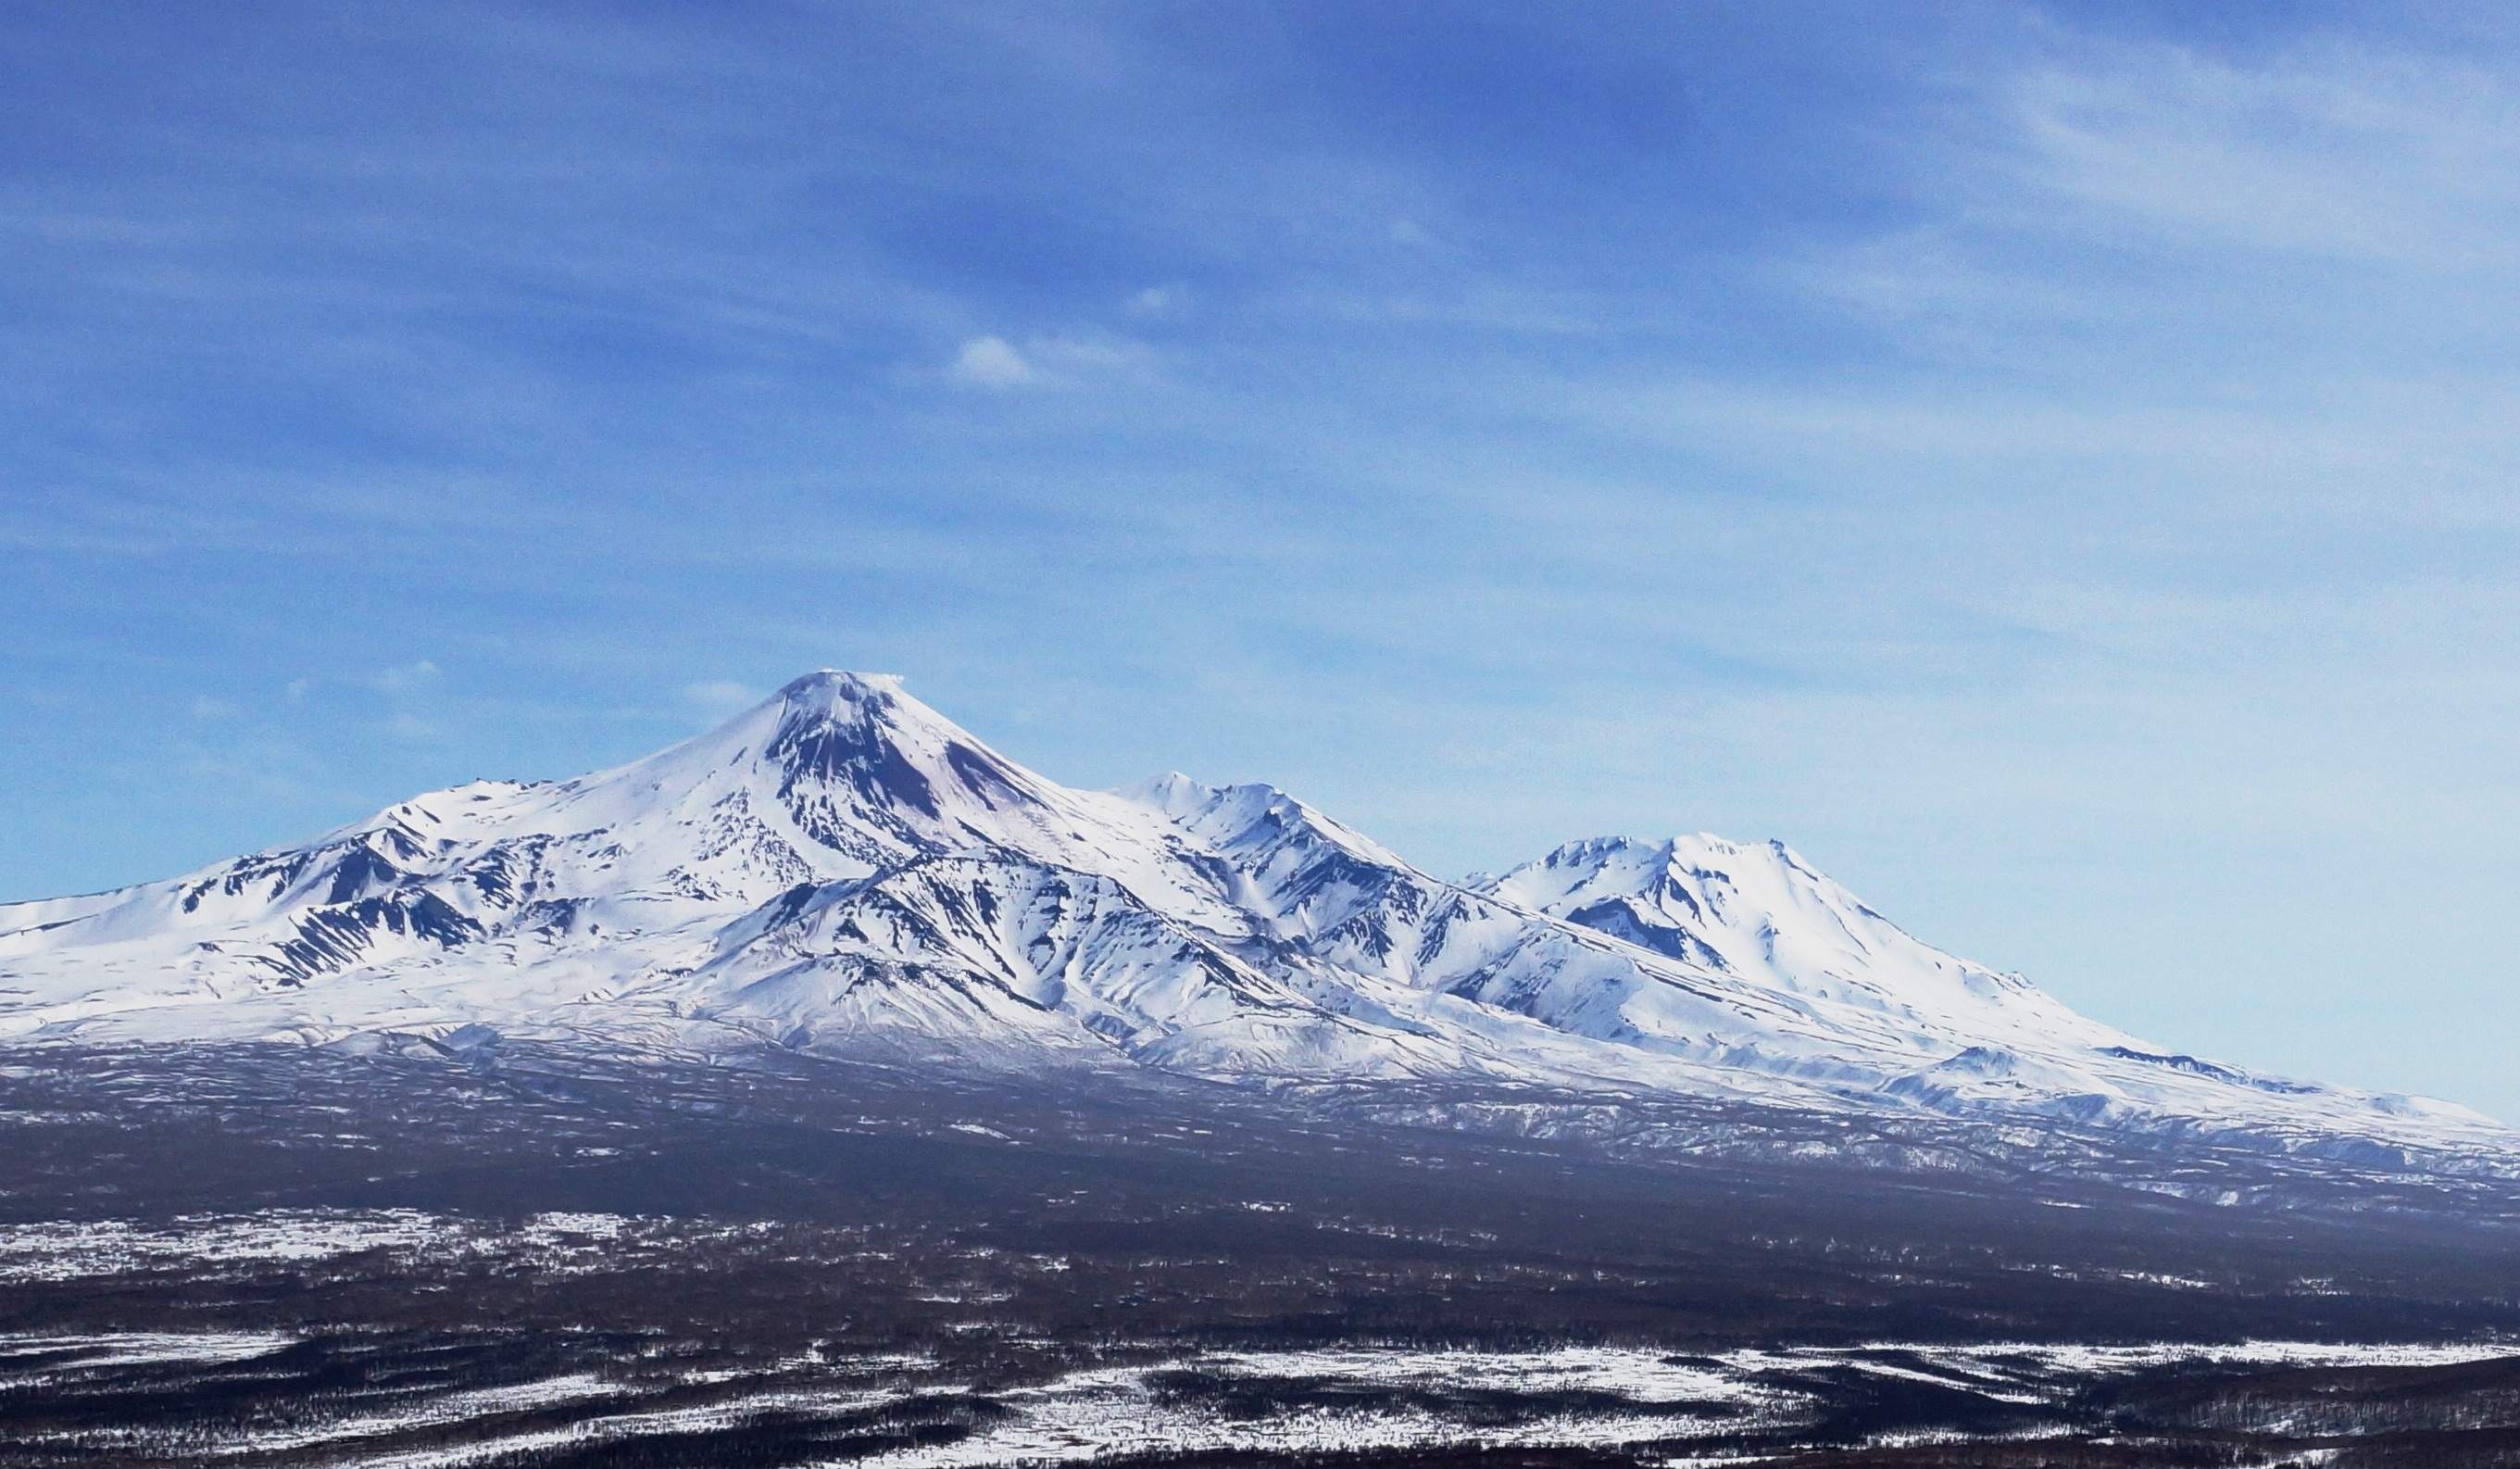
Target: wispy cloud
x=404 y=679
x=992 y=362
x=1160 y=301
x=1049 y=361
x=720 y=696
x=2325 y=150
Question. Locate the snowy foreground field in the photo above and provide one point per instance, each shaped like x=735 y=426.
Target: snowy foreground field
x=268 y=1256
x=481 y=1400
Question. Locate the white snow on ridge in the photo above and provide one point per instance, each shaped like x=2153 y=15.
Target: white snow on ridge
x=842 y=868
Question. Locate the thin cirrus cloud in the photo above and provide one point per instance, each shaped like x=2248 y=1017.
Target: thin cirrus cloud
x=1160 y=301
x=2329 y=152
x=993 y=362
x=719 y=696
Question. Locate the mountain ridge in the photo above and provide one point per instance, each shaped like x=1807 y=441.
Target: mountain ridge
x=841 y=869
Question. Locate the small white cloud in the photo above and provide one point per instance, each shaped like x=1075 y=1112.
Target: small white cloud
x=206 y=707
x=720 y=696
x=1160 y=301
x=992 y=362
x=407 y=692
x=404 y=677
x=297 y=689
x=1051 y=361
x=1410 y=233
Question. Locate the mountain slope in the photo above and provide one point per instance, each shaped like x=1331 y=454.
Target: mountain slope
x=1763 y=916
x=842 y=869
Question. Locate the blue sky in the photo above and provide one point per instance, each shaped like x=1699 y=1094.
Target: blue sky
x=2055 y=468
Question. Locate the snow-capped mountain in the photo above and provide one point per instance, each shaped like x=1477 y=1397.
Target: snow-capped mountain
x=841 y=869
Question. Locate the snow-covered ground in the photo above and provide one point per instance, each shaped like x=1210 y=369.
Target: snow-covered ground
x=1247 y=1403
x=1367 y=1399
x=209 y=1243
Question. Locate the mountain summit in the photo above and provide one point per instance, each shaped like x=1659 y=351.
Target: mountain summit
x=843 y=870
